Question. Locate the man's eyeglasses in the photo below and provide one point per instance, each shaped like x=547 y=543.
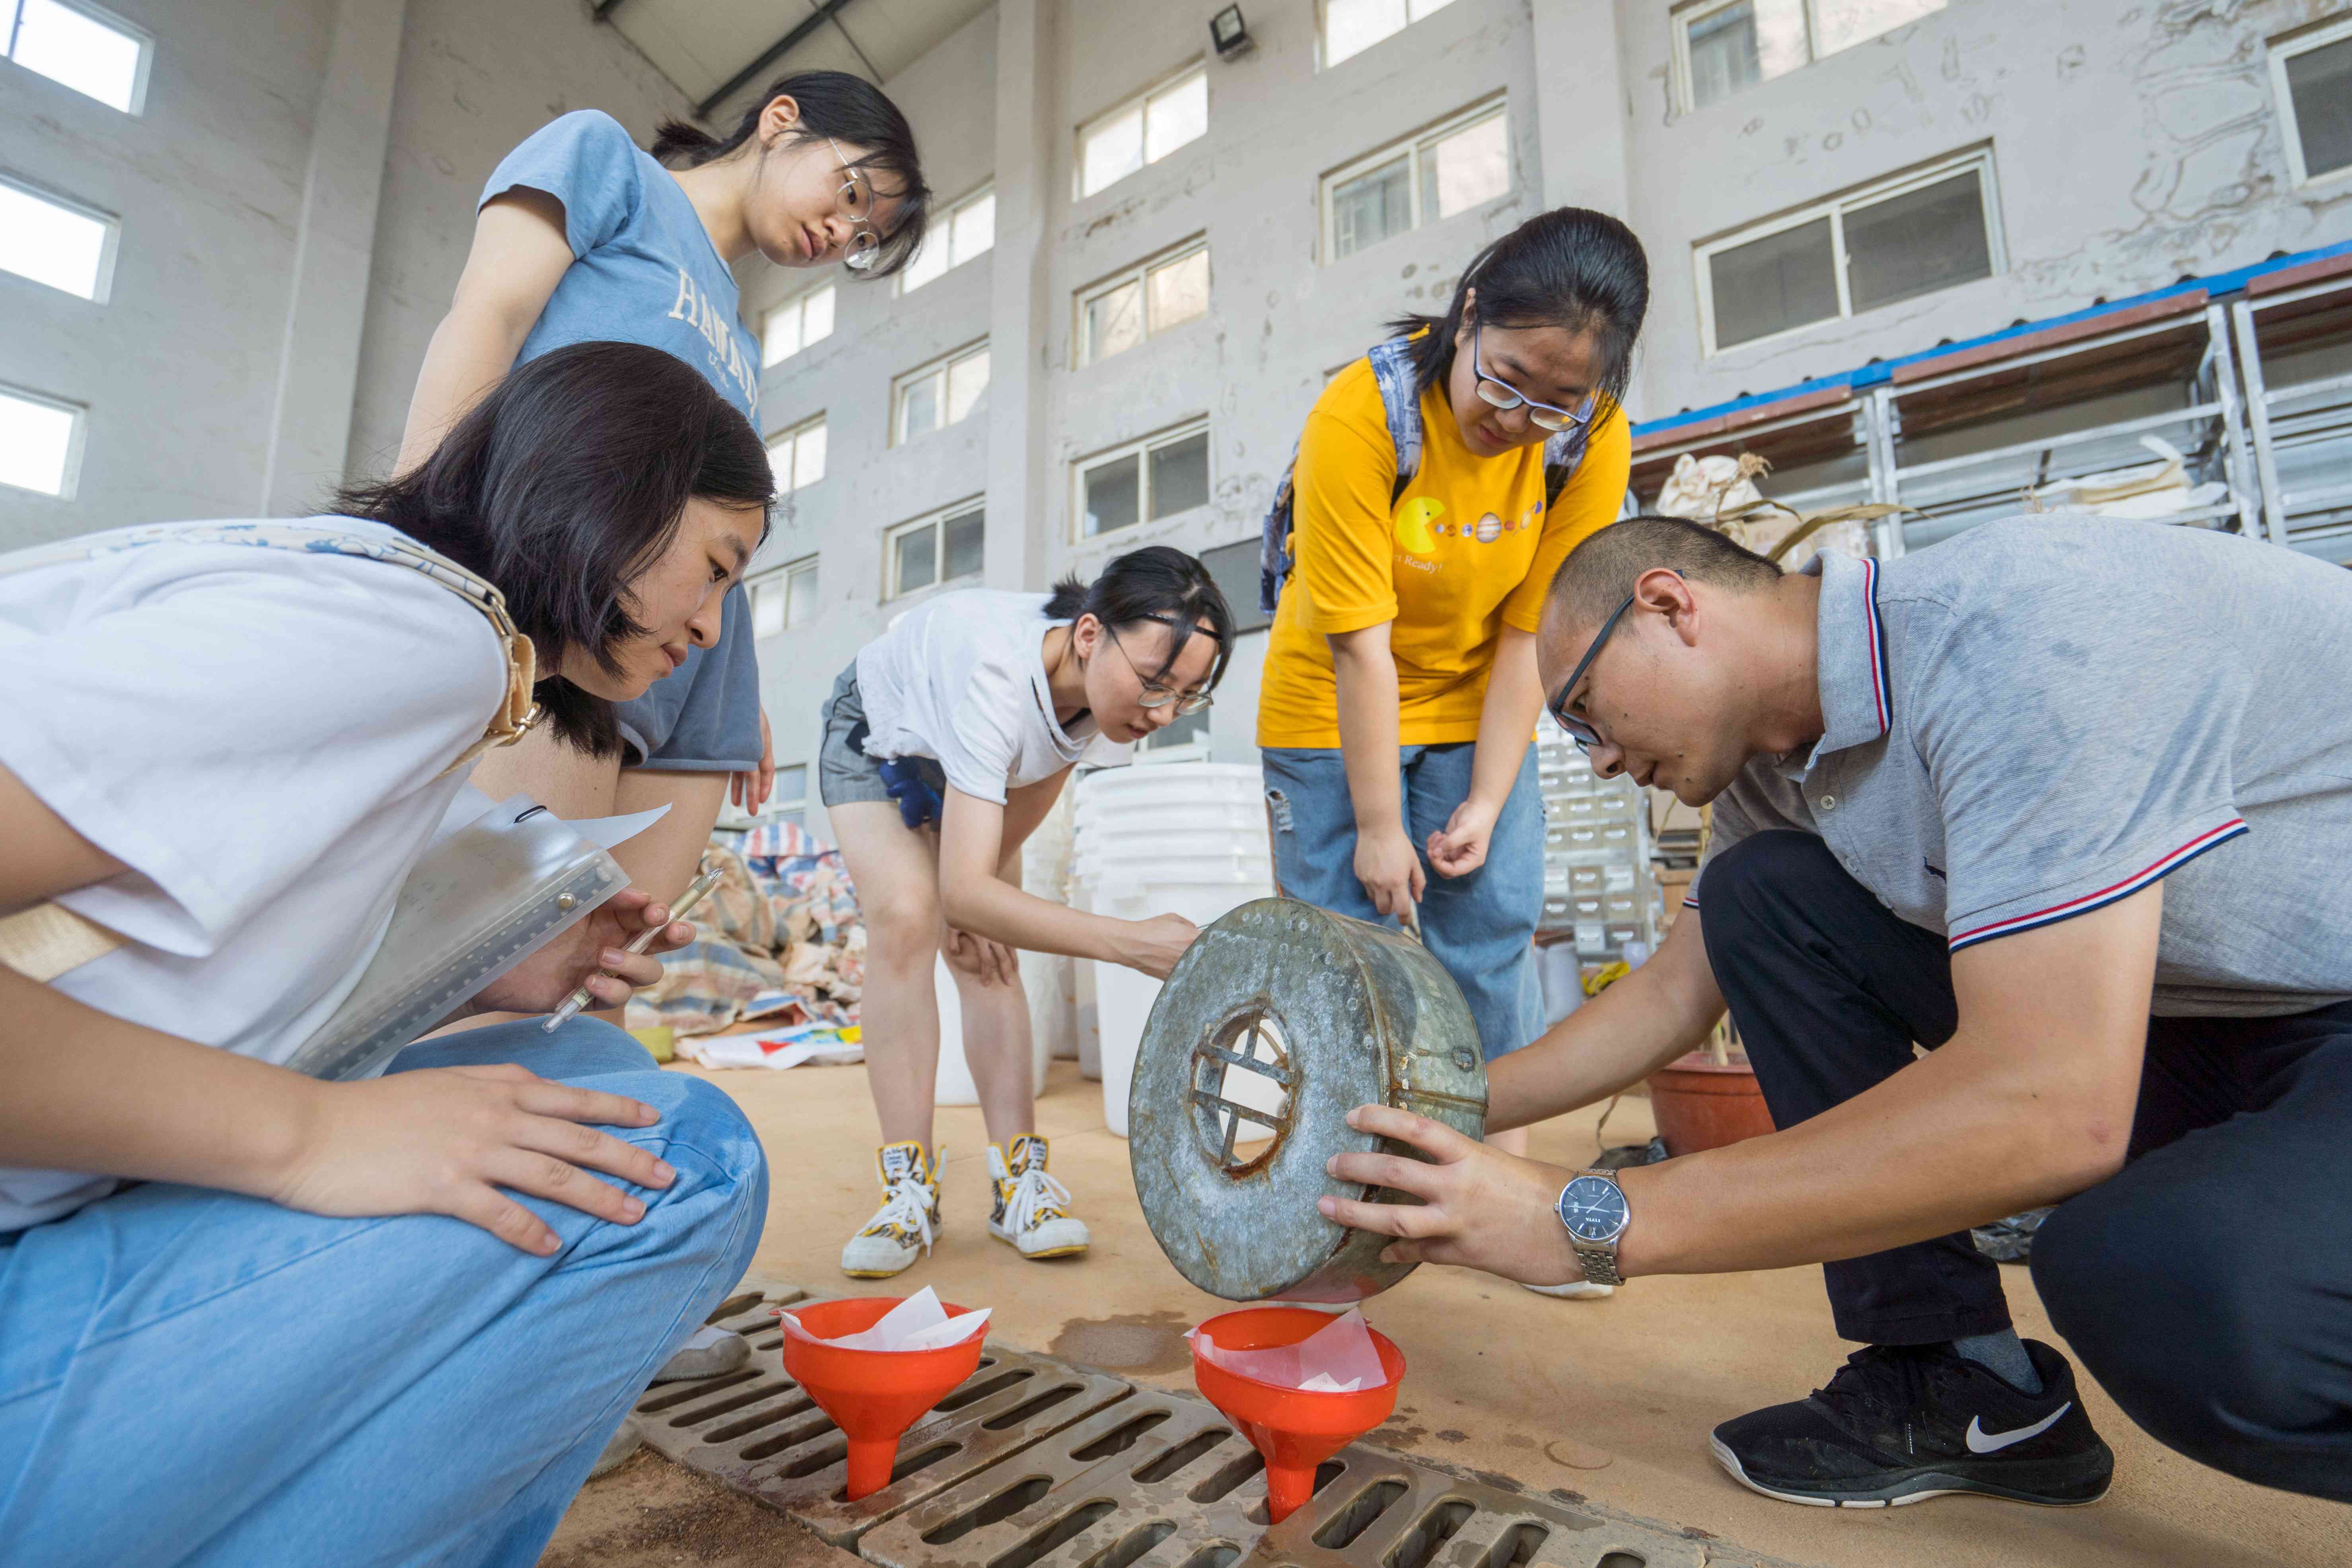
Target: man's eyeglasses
x=1503 y=395
x=1582 y=733
x=857 y=203
x=1155 y=695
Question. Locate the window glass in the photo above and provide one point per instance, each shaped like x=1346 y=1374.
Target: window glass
x=1115 y=321
x=1842 y=23
x=1469 y=167
x=961 y=550
x=779 y=336
x=800 y=594
x=1176 y=115
x=917 y=564
x=792 y=786
x=1772 y=284
x=1723 y=53
x=50 y=244
x=1371 y=208
x=974 y=227
x=1114 y=149
x=930 y=262
x=919 y=407
x=1180 y=290
x=767 y=609
x=1350 y=27
x=2320 y=81
x=817 y=316
x=36 y=443
x=1111 y=495
x=966 y=379
x=1180 y=475
x=1916 y=243
x=78 y=49
x=1187 y=729
x=808 y=456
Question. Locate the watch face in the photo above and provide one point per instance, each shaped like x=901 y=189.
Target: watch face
x=1592 y=1209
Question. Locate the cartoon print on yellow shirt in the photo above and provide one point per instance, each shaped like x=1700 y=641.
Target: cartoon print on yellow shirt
x=1412 y=521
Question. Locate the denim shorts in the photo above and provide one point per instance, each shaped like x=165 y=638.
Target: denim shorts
x=703 y=717
x=844 y=772
x=1481 y=926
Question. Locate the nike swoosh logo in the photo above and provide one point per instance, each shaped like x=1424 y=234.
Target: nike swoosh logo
x=1983 y=1442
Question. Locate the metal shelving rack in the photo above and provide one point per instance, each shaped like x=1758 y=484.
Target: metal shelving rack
x=1599 y=890
x=2302 y=427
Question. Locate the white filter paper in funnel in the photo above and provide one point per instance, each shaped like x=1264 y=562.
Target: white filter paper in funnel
x=1338 y=1358
x=917 y=1323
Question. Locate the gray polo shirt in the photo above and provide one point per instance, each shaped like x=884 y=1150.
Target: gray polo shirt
x=2044 y=715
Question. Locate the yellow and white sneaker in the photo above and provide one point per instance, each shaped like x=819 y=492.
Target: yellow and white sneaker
x=906 y=1224
x=1032 y=1212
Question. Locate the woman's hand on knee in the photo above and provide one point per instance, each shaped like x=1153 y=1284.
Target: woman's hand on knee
x=990 y=961
x=448 y=1140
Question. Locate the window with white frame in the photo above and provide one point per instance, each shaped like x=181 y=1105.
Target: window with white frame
x=2312 y=73
x=1155 y=478
x=796 y=455
x=92 y=51
x=783 y=599
x=1722 y=46
x=1352 y=26
x=945 y=547
x=794 y=325
x=1445 y=170
x=1931 y=228
x=1166 y=291
x=53 y=240
x=954 y=237
x=789 y=801
x=40 y=442
x=942 y=393
x=1143 y=130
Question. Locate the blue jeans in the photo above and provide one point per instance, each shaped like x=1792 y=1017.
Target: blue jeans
x=195 y=1377
x=1481 y=926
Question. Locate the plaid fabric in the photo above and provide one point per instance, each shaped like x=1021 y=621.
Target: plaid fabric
x=781 y=940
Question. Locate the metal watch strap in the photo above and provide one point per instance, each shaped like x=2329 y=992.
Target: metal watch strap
x=1600 y=1263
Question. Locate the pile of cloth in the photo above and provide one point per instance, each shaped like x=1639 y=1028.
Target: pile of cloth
x=781 y=944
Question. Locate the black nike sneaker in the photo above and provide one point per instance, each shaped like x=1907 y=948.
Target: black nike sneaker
x=1900 y=1424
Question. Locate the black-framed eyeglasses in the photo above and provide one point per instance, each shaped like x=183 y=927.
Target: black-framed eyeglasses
x=1582 y=733
x=864 y=245
x=1501 y=395
x=1153 y=694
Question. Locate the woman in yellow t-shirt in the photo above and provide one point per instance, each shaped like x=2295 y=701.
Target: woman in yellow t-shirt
x=1399 y=688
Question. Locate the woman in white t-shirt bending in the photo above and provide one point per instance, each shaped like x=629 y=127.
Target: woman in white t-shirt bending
x=945 y=744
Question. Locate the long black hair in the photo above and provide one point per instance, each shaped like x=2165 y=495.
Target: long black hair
x=1571 y=268
x=1157 y=583
x=564 y=482
x=848 y=108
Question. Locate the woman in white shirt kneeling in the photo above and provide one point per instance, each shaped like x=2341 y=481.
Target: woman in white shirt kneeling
x=945 y=744
x=395 y=1318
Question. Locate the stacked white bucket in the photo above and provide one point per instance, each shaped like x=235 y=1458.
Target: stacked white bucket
x=1184 y=838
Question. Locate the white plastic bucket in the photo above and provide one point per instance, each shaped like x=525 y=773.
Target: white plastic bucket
x=954 y=1084
x=1123 y=996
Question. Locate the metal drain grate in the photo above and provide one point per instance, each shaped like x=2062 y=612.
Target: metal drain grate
x=754 y=1430
x=1160 y=1481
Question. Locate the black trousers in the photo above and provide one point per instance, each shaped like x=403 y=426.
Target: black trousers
x=2208 y=1286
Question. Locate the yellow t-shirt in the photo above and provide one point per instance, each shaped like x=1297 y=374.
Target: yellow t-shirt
x=1467 y=548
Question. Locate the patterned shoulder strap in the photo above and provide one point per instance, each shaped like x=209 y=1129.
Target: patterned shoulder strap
x=1400 y=384
x=45 y=940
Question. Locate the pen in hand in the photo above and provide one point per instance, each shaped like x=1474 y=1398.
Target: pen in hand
x=693 y=895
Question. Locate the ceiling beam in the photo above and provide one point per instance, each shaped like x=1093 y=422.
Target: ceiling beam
x=774 y=52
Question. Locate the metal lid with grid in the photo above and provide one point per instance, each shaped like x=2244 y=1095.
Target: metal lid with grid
x=1277 y=1021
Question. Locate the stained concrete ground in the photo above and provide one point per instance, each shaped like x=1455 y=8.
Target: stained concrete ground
x=1611 y=1399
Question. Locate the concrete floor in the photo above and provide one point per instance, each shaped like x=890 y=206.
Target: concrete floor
x=1611 y=1399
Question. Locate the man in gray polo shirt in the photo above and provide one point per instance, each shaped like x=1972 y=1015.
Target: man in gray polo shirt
x=2068 y=803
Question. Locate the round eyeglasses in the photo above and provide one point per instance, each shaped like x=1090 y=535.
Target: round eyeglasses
x=857 y=203
x=1503 y=395
x=1153 y=694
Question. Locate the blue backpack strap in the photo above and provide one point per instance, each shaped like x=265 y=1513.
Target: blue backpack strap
x=1564 y=453
x=1393 y=374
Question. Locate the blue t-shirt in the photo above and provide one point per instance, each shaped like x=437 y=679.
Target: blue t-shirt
x=644 y=271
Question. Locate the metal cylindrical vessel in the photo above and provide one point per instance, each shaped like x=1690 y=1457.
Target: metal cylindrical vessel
x=1279 y=1020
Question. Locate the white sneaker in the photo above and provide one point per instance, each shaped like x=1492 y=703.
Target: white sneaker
x=905 y=1224
x=1574 y=1291
x=1031 y=1211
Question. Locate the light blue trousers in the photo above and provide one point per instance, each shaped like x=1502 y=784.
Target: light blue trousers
x=194 y=1377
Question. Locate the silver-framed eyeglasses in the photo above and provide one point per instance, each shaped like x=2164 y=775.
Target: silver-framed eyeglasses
x=1153 y=694
x=1503 y=395
x=857 y=203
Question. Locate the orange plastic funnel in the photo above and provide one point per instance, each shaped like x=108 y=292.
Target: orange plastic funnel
x=872 y=1396
x=1295 y=1428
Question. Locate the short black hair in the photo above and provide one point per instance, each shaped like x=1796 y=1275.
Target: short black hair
x=1600 y=571
x=849 y=109
x=1158 y=583
x=563 y=483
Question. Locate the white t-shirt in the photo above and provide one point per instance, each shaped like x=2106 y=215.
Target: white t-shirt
x=962 y=679
x=255 y=733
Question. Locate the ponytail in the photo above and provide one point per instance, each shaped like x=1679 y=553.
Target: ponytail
x=843 y=107
x=1157 y=583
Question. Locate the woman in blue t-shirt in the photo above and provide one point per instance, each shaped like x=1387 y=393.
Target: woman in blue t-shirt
x=582 y=237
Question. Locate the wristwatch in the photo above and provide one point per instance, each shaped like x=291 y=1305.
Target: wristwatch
x=1592 y=1206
